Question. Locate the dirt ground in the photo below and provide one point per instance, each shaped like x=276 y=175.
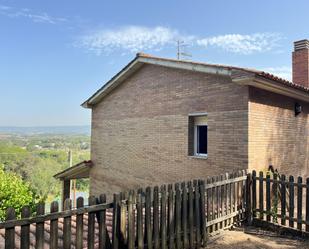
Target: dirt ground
x=254 y=238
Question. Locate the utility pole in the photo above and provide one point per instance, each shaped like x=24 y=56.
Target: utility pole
x=70 y=158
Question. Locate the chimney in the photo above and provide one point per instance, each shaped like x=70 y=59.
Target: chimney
x=301 y=63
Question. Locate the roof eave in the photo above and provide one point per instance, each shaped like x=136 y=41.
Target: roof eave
x=272 y=86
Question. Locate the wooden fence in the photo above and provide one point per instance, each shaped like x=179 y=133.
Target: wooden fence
x=279 y=200
x=173 y=216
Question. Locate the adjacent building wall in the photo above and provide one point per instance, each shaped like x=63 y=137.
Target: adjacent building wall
x=140 y=130
x=276 y=135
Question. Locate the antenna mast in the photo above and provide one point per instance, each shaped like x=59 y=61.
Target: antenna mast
x=181 y=53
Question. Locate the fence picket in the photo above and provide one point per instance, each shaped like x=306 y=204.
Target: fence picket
x=268 y=200
x=163 y=217
x=115 y=229
x=291 y=201
x=299 y=202
x=170 y=216
x=203 y=212
x=25 y=230
x=275 y=198
x=79 y=224
x=10 y=232
x=122 y=213
x=102 y=223
x=156 y=237
x=54 y=208
x=39 y=231
x=283 y=200
x=208 y=191
x=213 y=195
x=197 y=215
x=91 y=224
x=261 y=195
x=307 y=204
x=148 y=227
x=254 y=193
x=67 y=233
x=139 y=222
x=191 y=218
x=185 y=215
x=178 y=216
x=131 y=220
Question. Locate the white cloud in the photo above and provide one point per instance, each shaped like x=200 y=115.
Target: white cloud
x=27 y=13
x=243 y=44
x=139 y=38
x=284 y=72
x=130 y=39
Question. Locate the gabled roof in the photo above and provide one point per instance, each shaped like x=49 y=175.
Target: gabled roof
x=239 y=75
x=80 y=170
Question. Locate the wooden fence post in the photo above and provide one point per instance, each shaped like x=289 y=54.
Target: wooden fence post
x=10 y=232
x=25 y=230
x=39 y=233
x=54 y=208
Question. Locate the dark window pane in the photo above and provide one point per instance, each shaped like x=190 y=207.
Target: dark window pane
x=202 y=139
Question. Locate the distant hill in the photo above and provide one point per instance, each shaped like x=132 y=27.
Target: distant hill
x=78 y=129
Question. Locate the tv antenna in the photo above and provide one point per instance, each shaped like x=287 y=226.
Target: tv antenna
x=181 y=50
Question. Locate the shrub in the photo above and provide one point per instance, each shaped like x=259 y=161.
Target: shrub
x=14 y=192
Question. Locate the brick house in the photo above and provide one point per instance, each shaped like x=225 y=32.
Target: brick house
x=162 y=120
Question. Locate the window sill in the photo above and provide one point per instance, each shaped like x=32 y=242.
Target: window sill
x=199 y=157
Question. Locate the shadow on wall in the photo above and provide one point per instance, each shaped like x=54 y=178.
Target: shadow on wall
x=288 y=143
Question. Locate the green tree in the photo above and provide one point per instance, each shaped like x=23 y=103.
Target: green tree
x=14 y=192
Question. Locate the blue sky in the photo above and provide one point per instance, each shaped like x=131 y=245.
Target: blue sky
x=55 y=54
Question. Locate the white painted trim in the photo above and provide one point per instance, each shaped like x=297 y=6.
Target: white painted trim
x=212 y=69
x=198 y=114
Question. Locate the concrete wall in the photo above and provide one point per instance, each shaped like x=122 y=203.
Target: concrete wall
x=140 y=130
x=276 y=136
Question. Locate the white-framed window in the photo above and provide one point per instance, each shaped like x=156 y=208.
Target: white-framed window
x=198 y=135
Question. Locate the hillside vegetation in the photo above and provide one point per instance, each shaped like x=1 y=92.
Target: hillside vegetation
x=36 y=158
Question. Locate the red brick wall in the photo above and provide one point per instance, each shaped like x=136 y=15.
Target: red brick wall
x=140 y=130
x=301 y=67
x=276 y=136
